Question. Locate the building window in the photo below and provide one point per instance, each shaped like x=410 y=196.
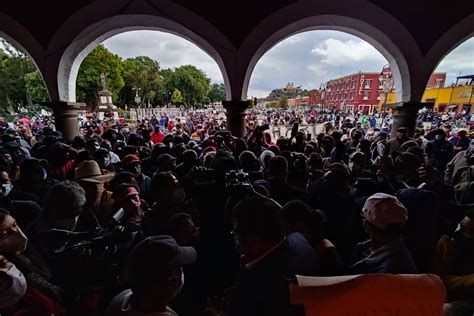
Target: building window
x=353 y=84
x=379 y=96
x=352 y=97
x=368 y=82
x=366 y=95
x=438 y=83
x=380 y=82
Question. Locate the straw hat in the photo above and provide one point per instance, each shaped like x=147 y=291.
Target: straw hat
x=89 y=171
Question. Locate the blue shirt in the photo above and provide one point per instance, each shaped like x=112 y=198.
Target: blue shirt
x=393 y=257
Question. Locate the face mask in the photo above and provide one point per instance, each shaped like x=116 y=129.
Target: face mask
x=14 y=243
x=66 y=224
x=11 y=291
x=6 y=188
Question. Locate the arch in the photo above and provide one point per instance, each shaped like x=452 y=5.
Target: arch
x=21 y=39
x=450 y=40
x=89 y=38
x=356 y=27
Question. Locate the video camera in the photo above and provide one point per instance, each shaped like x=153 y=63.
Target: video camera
x=237 y=182
x=103 y=241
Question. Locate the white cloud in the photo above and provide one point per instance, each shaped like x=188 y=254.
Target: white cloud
x=334 y=52
x=169 y=50
x=459 y=61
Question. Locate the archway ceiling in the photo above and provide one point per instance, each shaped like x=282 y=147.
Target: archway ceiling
x=425 y=20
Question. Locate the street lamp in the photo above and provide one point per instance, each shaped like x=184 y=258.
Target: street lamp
x=167 y=97
x=137 y=97
x=387 y=84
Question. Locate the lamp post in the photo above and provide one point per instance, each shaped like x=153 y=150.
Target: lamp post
x=387 y=84
x=137 y=97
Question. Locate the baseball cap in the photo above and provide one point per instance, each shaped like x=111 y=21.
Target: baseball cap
x=383 y=209
x=130 y=159
x=153 y=259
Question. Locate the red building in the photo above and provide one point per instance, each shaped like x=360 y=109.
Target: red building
x=364 y=90
x=437 y=80
x=356 y=92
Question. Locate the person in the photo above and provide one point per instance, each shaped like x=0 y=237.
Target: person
x=460 y=141
x=34 y=177
x=300 y=221
x=98 y=199
x=385 y=251
x=280 y=190
x=462 y=160
x=170 y=199
x=454 y=262
x=23 y=268
x=394 y=143
x=12 y=285
x=259 y=236
x=378 y=147
x=127 y=197
x=155 y=276
x=439 y=150
x=133 y=164
x=183 y=229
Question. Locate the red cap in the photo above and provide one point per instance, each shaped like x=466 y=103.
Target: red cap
x=130 y=159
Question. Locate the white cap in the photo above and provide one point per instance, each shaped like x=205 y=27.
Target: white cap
x=382 y=209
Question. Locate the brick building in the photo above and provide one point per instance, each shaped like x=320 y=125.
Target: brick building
x=364 y=91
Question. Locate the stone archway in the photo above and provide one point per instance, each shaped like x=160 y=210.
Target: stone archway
x=86 y=41
x=351 y=26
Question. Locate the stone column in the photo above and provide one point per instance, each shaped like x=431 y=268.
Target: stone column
x=66 y=117
x=405 y=114
x=235 y=112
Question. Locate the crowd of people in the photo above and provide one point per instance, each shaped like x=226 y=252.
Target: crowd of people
x=170 y=216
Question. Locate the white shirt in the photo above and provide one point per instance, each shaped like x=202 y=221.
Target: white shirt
x=120 y=306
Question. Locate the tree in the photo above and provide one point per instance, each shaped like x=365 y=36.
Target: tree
x=176 y=98
x=100 y=60
x=217 y=93
x=142 y=75
x=193 y=84
x=35 y=87
x=14 y=66
x=283 y=103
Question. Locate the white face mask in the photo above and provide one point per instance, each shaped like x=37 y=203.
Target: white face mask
x=14 y=243
x=12 y=287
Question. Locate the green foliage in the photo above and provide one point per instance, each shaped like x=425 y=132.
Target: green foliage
x=35 y=86
x=251 y=103
x=283 y=103
x=273 y=105
x=15 y=69
x=100 y=60
x=192 y=82
x=217 y=93
x=176 y=97
x=142 y=75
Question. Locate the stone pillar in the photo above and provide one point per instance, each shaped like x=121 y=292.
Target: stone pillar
x=235 y=112
x=405 y=114
x=66 y=117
